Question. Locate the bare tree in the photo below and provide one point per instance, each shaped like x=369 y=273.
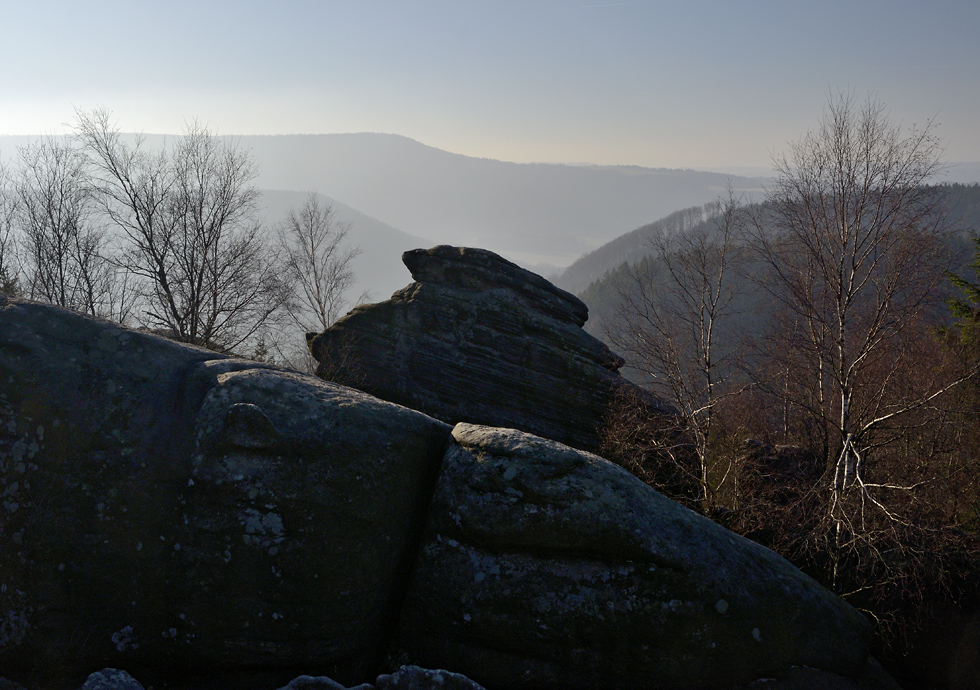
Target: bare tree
x=318 y=267
x=189 y=215
x=66 y=252
x=8 y=250
x=674 y=324
x=319 y=263
x=851 y=239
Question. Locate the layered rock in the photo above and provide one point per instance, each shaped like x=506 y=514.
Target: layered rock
x=168 y=509
x=547 y=567
x=171 y=511
x=478 y=339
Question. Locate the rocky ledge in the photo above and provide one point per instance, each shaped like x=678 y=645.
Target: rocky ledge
x=185 y=515
x=479 y=339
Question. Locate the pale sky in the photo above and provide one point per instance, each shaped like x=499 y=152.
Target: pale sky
x=665 y=83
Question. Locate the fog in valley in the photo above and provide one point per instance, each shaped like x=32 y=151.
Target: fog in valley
x=399 y=194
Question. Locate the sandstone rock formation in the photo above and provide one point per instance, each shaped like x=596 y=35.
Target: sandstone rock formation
x=546 y=567
x=405 y=678
x=174 y=512
x=170 y=509
x=478 y=339
x=416 y=678
x=111 y=679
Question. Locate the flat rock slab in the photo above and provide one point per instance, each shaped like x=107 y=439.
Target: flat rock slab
x=547 y=567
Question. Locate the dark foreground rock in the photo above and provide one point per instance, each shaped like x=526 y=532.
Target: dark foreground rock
x=416 y=678
x=478 y=339
x=169 y=510
x=546 y=567
x=111 y=679
x=319 y=683
x=871 y=677
x=205 y=522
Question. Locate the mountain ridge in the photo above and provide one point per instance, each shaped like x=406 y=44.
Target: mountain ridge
x=530 y=212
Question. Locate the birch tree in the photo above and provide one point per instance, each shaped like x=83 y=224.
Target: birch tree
x=852 y=245
x=675 y=325
x=317 y=264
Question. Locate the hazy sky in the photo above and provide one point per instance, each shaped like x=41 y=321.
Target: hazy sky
x=665 y=83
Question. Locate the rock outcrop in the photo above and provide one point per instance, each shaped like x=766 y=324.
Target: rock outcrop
x=175 y=513
x=405 y=678
x=546 y=567
x=478 y=339
x=416 y=678
x=111 y=679
x=168 y=509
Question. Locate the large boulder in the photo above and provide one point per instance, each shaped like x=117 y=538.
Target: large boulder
x=478 y=339
x=176 y=513
x=111 y=679
x=415 y=678
x=169 y=510
x=547 y=567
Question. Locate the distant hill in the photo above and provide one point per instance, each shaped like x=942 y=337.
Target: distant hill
x=964 y=206
x=963 y=201
x=629 y=248
x=533 y=214
x=540 y=215
x=605 y=272
x=530 y=213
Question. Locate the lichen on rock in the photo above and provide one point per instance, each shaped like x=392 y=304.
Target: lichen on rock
x=571 y=573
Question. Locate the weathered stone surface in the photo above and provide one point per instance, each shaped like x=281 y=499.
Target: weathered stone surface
x=871 y=677
x=479 y=269
x=313 y=683
x=478 y=339
x=166 y=509
x=416 y=678
x=546 y=567
x=175 y=512
x=111 y=679
x=405 y=678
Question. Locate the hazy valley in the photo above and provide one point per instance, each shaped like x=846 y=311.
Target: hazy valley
x=399 y=194
x=685 y=336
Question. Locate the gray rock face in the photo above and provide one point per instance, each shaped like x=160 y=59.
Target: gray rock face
x=479 y=269
x=416 y=678
x=405 y=678
x=175 y=512
x=165 y=508
x=871 y=677
x=478 y=339
x=313 y=683
x=111 y=679
x=546 y=567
